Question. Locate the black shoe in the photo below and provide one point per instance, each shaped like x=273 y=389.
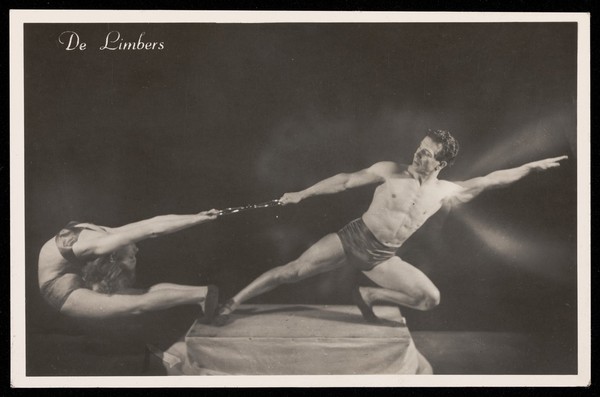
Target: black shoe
x=366 y=310
x=211 y=301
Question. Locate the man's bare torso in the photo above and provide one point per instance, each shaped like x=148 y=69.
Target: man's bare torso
x=401 y=204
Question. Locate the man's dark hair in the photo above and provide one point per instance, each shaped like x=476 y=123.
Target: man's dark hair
x=449 y=145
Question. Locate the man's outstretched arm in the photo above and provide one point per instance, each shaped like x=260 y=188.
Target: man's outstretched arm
x=340 y=182
x=472 y=187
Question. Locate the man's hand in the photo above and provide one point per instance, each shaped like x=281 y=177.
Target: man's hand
x=545 y=164
x=291 y=198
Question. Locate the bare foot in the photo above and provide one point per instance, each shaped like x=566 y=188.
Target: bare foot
x=364 y=305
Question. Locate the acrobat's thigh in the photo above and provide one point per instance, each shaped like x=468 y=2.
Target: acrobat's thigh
x=398 y=275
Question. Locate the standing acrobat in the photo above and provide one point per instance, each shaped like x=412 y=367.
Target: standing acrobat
x=406 y=197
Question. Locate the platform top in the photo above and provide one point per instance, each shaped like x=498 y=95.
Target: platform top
x=304 y=321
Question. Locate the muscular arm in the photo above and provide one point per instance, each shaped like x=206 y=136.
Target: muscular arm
x=134 y=232
x=341 y=182
x=86 y=303
x=471 y=188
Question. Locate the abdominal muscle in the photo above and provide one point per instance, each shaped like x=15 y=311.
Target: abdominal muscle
x=399 y=209
x=390 y=228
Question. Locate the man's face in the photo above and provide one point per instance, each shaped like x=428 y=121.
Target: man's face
x=424 y=159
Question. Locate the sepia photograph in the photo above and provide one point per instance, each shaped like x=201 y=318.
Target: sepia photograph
x=299 y=199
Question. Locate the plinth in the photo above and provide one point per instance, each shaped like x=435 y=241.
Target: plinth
x=303 y=340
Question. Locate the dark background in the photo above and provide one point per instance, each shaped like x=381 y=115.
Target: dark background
x=228 y=115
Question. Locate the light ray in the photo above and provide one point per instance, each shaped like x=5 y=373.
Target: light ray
x=538 y=254
x=543 y=138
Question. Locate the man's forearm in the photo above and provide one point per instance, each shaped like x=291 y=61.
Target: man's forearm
x=506 y=177
x=334 y=184
x=473 y=187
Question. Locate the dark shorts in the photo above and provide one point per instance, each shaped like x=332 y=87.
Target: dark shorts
x=57 y=290
x=362 y=248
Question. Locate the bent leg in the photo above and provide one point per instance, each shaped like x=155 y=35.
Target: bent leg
x=402 y=283
x=325 y=255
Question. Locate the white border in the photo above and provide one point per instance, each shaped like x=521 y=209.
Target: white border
x=584 y=215
x=17 y=221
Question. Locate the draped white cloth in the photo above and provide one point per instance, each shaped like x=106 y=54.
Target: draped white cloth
x=298 y=340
